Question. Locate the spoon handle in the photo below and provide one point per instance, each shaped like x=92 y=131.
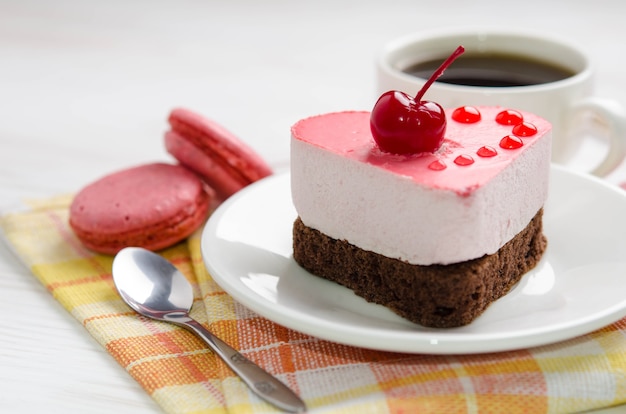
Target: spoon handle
x=260 y=381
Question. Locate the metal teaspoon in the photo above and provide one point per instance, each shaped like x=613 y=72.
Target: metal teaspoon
x=153 y=287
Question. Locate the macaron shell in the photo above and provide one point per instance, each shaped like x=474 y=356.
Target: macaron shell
x=224 y=183
x=236 y=159
x=152 y=206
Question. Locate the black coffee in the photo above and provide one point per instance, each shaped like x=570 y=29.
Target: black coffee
x=493 y=70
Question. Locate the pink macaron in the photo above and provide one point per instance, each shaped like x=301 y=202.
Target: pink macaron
x=152 y=206
x=225 y=162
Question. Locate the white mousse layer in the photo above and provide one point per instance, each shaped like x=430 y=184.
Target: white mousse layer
x=398 y=207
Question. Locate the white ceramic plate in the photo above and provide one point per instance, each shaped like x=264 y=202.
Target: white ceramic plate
x=579 y=285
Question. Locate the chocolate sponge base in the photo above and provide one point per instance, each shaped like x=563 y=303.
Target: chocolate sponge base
x=441 y=296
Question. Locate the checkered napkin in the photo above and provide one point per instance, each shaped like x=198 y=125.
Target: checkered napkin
x=183 y=376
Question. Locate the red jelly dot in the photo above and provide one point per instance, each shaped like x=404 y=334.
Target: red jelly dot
x=464 y=160
x=525 y=129
x=466 y=115
x=486 y=151
x=509 y=117
x=511 y=142
x=437 y=165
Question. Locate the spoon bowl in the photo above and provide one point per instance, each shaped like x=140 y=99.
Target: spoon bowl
x=153 y=287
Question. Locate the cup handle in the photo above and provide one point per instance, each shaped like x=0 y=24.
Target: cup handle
x=611 y=114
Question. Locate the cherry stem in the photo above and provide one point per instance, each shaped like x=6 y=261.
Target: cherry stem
x=458 y=52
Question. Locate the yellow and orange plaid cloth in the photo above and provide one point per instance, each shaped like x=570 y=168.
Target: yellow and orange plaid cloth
x=183 y=376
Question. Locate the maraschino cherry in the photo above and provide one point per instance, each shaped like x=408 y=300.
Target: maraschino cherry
x=401 y=124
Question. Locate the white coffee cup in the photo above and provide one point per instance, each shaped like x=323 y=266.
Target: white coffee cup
x=563 y=102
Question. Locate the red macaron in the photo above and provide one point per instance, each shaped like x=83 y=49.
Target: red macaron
x=223 y=161
x=152 y=206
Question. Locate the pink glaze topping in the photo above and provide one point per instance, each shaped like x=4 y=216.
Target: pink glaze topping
x=479 y=143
